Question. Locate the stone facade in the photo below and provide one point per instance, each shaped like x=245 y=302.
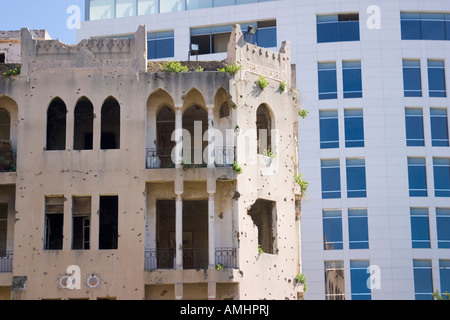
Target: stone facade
x=101 y=204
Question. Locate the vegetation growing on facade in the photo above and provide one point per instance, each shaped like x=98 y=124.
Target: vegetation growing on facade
x=231 y=69
x=12 y=72
x=301 y=279
x=303 y=113
x=283 y=86
x=301 y=182
x=174 y=66
x=237 y=168
x=263 y=82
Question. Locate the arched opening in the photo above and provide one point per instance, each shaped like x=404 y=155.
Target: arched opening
x=195 y=121
x=84 y=125
x=110 y=124
x=165 y=126
x=56 y=125
x=224 y=110
x=263 y=129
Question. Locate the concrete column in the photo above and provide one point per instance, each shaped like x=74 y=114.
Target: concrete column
x=178 y=136
x=211 y=138
x=211 y=232
x=212 y=290
x=179 y=233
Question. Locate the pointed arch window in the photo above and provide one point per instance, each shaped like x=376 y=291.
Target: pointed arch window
x=84 y=125
x=110 y=136
x=56 y=125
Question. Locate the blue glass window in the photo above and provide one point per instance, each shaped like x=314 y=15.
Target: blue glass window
x=329 y=129
x=441 y=167
x=417 y=177
x=414 y=127
x=443 y=227
x=423 y=280
x=335 y=28
x=332 y=230
x=327 y=80
x=358 y=278
x=356 y=178
x=331 y=179
x=425 y=26
x=352 y=79
x=420 y=232
x=161 y=45
x=439 y=127
x=444 y=272
x=358 y=229
x=436 y=79
x=354 y=128
x=412 y=81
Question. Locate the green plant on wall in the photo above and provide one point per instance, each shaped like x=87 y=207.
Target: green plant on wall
x=237 y=168
x=186 y=164
x=174 y=66
x=301 y=182
x=219 y=266
x=12 y=72
x=303 y=113
x=260 y=250
x=283 y=86
x=301 y=279
x=231 y=69
x=269 y=153
x=444 y=296
x=263 y=82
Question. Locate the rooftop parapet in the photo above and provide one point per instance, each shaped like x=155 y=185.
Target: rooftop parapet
x=257 y=60
x=88 y=54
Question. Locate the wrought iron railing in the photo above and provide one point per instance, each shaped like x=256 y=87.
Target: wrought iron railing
x=163 y=258
x=226 y=257
x=6 y=262
x=157 y=158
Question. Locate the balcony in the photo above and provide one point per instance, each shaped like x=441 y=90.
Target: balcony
x=6 y=262
x=160 y=259
x=161 y=158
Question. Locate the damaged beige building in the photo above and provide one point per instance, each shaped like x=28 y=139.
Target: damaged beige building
x=100 y=198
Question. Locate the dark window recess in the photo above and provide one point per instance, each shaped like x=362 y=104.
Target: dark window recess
x=110 y=137
x=2 y=58
x=109 y=218
x=264 y=217
x=56 y=125
x=81 y=223
x=84 y=125
x=224 y=110
x=336 y=28
x=54 y=223
x=165 y=125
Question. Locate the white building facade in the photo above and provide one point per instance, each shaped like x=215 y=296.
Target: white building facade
x=375 y=145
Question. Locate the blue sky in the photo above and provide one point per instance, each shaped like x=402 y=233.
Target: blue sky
x=40 y=14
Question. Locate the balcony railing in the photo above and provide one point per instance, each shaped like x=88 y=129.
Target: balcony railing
x=163 y=258
x=158 y=158
x=226 y=257
x=6 y=262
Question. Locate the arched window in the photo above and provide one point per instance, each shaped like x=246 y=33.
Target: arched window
x=165 y=126
x=195 y=121
x=84 y=125
x=263 y=129
x=110 y=138
x=5 y=125
x=56 y=125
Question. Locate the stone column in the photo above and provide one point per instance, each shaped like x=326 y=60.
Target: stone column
x=211 y=137
x=178 y=136
x=179 y=232
x=211 y=232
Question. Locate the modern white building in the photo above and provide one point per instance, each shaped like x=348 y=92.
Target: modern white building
x=374 y=76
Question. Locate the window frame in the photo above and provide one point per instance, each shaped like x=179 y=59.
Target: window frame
x=352 y=77
x=327 y=71
x=353 y=164
x=438 y=138
x=413 y=162
x=332 y=222
x=351 y=116
x=422 y=270
x=362 y=239
x=441 y=169
x=419 y=219
x=412 y=126
x=358 y=280
x=329 y=119
x=410 y=82
x=433 y=66
x=326 y=166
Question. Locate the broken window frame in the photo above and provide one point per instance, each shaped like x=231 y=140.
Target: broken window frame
x=83 y=125
x=266 y=238
x=82 y=242
x=54 y=210
x=264 y=143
